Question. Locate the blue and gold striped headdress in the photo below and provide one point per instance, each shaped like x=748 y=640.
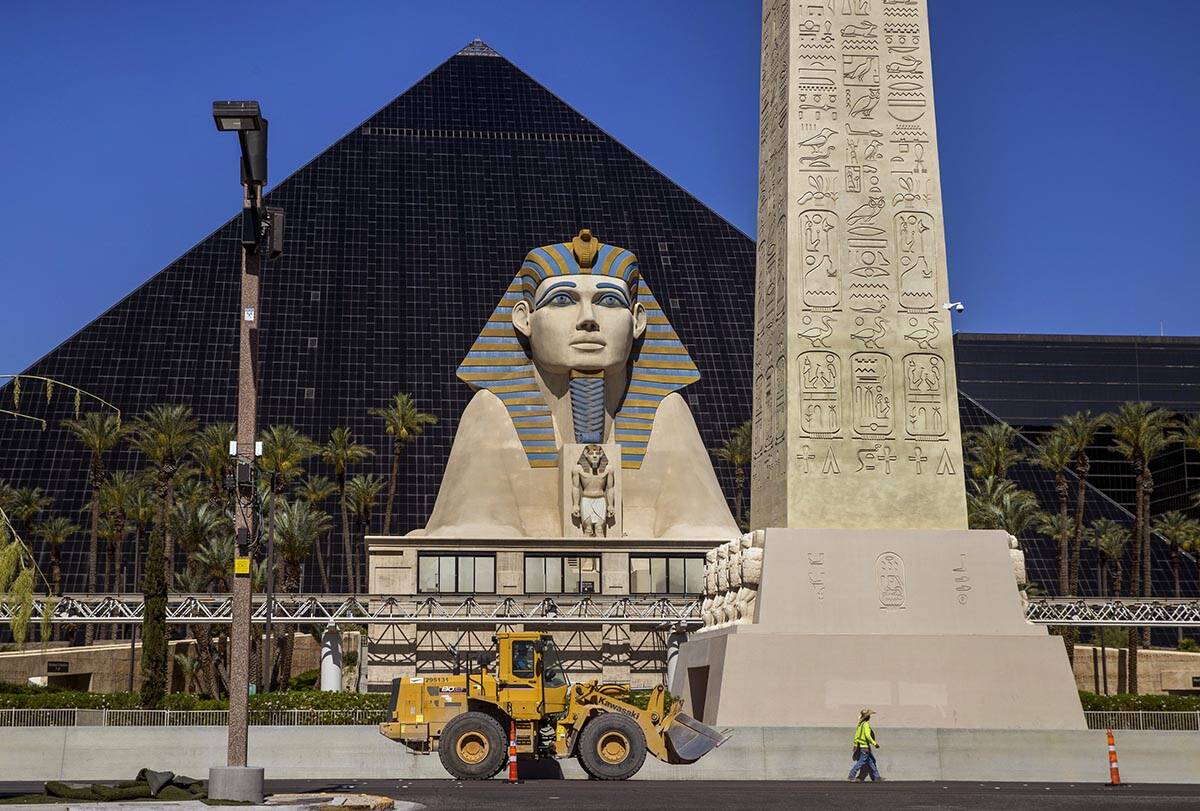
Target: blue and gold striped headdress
x=499 y=361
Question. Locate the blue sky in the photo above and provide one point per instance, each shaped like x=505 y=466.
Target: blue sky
x=1068 y=134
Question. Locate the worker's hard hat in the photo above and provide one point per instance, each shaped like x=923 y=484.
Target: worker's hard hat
x=866 y=713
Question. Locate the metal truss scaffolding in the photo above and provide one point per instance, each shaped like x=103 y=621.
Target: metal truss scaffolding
x=1109 y=611
x=558 y=612
x=339 y=609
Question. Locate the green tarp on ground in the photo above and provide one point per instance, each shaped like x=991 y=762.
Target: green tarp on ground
x=147 y=785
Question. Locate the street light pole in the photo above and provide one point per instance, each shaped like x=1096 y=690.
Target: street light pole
x=244 y=525
x=244 y=117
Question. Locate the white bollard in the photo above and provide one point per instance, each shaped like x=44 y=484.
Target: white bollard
x=331 y=659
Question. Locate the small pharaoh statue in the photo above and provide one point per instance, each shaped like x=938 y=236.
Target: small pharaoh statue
x=710 y=587
x=593 y=492
x=751 y=558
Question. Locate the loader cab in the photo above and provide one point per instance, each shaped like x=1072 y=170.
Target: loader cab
x=532 y=680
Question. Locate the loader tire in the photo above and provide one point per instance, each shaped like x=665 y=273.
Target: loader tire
x=612 y=747
x=473 y=746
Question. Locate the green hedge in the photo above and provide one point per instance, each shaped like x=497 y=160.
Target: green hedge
x=26 y=697
x=1129 y=702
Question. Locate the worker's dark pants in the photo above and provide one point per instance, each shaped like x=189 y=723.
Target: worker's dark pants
x=865 y=759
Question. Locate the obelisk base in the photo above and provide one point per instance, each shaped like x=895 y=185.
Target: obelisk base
x=924 y=627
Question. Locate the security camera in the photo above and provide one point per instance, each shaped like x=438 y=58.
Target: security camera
x=957 y=306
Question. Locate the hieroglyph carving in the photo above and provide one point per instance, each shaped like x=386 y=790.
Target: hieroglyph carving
x=821 y=284
x=872 y=393
x=820 y=394
x=889 y=579
x=914 y=247
x=925 y=396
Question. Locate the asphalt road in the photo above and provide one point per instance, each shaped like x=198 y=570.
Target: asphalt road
x=580 y=794
x=576 y=795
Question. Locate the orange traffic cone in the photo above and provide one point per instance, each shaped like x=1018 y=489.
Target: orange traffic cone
x=1114 y=773
x=512 y=752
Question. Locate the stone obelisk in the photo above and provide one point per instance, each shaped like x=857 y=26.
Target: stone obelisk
x=861 y=584
x=855 y=406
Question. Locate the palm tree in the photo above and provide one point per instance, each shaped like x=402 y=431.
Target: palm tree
x=209 y=572
x=210 y=453
x=1140 y=434
x=1188 y=432
x=298 y=526
x=404 y=422
x=54 y=533
x=1180 y=531
x=994 y=503
x=140 y=511
x=28 y=503
x=116 y=495
x=214 y=561
x=163 y=435
x=1110 y=539
x=1080 y=431
x=284 y=452
x=194 y=524
x=315 y=490
x=990 y=450
x=737 y=451
x=1055 y=453
x=340 y=452
x=8 y=495
x=189 y=666
x=99 y=433
x=362 y=494
x=1059 y=526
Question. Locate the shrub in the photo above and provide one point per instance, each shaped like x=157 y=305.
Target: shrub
x=1189 y=645
x=28 y=697
x=1128 y=702
x=305 y=681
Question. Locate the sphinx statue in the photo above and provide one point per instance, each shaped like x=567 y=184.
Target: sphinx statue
x=578 y=352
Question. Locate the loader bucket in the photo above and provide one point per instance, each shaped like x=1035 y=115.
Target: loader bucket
x=689 y=740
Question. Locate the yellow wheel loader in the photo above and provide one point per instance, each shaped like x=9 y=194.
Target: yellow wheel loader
x=466 y=718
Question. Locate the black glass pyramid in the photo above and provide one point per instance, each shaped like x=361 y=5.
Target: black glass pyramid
x=401 y=237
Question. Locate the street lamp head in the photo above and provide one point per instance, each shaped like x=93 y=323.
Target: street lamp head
x=237 y=116
x=246 y=119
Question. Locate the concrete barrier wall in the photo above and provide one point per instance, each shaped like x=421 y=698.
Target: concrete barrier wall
x=754 y=753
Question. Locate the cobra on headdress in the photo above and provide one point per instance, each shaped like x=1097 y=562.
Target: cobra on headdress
x=499 y=361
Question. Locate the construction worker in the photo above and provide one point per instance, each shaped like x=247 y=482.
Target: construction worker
x=864 y=739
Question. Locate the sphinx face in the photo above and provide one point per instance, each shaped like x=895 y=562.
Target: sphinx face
x=585 y=323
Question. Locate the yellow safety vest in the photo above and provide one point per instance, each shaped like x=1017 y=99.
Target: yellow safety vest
x=863 y=736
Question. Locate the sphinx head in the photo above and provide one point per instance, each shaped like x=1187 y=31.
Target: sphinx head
x=578 y=310
x=584 y=321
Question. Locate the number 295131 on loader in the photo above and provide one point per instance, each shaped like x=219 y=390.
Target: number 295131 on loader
x=466 y=718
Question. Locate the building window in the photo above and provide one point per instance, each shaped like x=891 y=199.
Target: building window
x=666 y=574
x=456 y=574
x=562 y=574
